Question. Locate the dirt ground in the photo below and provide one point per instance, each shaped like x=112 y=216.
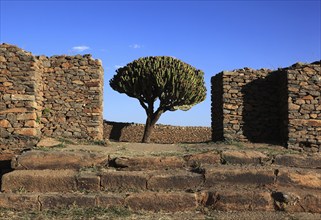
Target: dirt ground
x=74 y=214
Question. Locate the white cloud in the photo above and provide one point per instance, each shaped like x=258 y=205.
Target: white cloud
x=135 y=46
x=118 y=66
x=80 y=48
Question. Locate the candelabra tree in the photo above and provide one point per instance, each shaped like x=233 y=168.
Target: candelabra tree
x=176 y=84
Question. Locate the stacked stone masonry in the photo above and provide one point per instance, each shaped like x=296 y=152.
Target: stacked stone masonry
x=56 y=96
x=277 y=107
x=304 y=100
x=165 y=134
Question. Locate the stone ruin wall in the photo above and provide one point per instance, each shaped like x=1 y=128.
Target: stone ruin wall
x=56 y=96
x=164 y=134
x=265 y=106
x=304 y=100
x=72 y=97
x=18 y=109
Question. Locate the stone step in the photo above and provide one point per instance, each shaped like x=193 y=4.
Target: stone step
x=297 y=160
x=159 y=180
x=54 y=160
x=218 y=199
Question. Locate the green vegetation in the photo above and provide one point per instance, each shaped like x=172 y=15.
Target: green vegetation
x=177 y=85
x=46 y=111
x=66 y=141
x=238 y=144
x=191 y=149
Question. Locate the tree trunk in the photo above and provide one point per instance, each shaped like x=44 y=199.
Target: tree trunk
x=148 y=130
x=149 y=126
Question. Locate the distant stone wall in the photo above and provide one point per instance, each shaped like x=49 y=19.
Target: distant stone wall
x=268 y=106
x=304 y=87
x=166 y=134
x=56 y=96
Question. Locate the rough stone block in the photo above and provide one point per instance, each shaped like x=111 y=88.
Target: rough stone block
x=5 y=123
x=14 y=110
x=27 y=116
x=123 y=180
x=26 y=131
x=22 y=97
x=244 y=201
x=243 y=157
x=170 y=202
x=203 y=158
x=19 y=201
x=175 y=180
x=296 y=160
x=297 y=200
x=55 y=201
x=299 y=177
x=105 y=200
x=39 y=181
x=88 y=182
x=137 y=163
x=37 y=160
x=231 y=175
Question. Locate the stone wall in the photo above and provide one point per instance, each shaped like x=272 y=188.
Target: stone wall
x=18 y=107
x=72 y=97
x=267 y=106
x=166 y=134
x=304 y=86
x=246 y=105
x=55 y=96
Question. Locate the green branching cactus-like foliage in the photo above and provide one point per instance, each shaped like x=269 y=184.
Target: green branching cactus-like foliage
x=176 y=84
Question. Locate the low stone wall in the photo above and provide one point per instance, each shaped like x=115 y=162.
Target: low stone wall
x=52 y=96
x=304 y=86
x=130 y=132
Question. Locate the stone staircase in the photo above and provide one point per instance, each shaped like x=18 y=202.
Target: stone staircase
x=226 y=179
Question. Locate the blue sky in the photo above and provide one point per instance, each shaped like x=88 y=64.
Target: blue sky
x=210 y=35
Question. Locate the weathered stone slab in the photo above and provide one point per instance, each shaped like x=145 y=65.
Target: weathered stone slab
x=243 y=157
x=137 y=163
x=175 y=180
x=22 y=97
x=88 y=182
x=299 y=177
x=296 y=160
x=170 y=202
x=203 y=158
x=105 y=200
x=19 y=201
x=123 y=180
x=55 y=201
x=231 y=175
x=5 y=123
x=26 y=131
x=244 y=201
x=39 y=181
x=296 y=200
x=48 y=142
x=34 y=160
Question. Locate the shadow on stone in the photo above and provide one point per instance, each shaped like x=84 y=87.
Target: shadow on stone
x=265 y=109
